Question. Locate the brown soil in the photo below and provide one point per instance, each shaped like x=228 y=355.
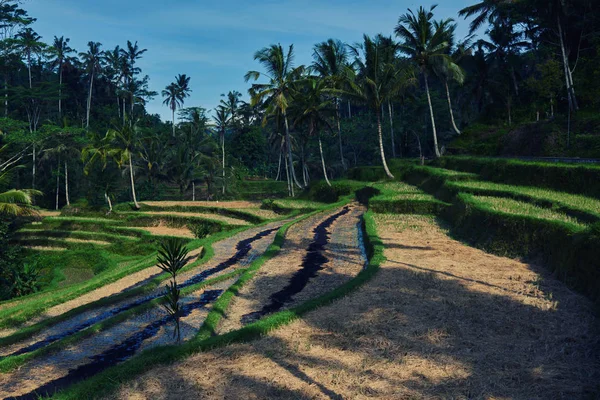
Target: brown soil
x=221 y=204
x=215 y=217
x=267 y=214
x=48 y=213
x=97 y=242
x=162 y=230
x=344 y=263
x=440 y=320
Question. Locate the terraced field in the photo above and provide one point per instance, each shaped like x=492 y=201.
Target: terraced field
x=305 y=299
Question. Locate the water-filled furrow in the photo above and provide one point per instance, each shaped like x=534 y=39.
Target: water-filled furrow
x=312 y=263
x=242 y=249
x=118 y=353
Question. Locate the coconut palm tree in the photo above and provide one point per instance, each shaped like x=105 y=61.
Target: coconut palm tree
x=277 y=92
x=92 y=61
x=129 y=56
x=60 y=50
x=485 y=10
x=330 y=61
x=425 y=45
x=232 y=103
x=223 y=118
x=122 y=143
x=377 y=81
x=315 y=109
x=447 y=69
x=28 y=41
x=175 y=93
x=14 y=202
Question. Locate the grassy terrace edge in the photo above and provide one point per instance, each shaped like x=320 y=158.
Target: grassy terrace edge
x=108 y=381
x=23 y=333
x=571 y=253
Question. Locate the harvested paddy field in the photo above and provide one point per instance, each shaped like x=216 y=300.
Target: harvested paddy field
x=439 y=320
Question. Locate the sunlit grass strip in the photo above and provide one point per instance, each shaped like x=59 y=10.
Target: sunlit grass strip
x=25 y=310
x=572 y=178
x=12 y=362
x=402 y=198
x=510 y=206
x=581 y=207
x=108 y=381
x=570 y=250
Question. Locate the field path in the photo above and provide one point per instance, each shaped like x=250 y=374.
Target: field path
x=272 y=288
x=439 y=320
x=50 y=372
x=224 y=251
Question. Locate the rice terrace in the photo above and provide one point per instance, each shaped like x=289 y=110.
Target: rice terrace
x=299 y=200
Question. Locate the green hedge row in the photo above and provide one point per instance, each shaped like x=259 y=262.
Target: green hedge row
x=573 y=255
x=367 y=174
x=571 y=178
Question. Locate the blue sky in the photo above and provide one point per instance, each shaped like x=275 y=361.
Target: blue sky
x=213 y=42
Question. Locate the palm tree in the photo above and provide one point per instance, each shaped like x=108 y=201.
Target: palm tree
x=315 y=109
x=232 y=103
x=175 y=94
x=223 y=118
x=377 y=82
x=484 y=10
x=277 y=93
x=330 y=61
x=425 y=45
x=28 y=41
x=114 y=70
x=92 y=62
x=122 y=145
x=130 y=55
x=60 y=50
x=14 y=202
x=448 y=69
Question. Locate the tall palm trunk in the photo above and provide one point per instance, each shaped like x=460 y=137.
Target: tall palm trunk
x=382 y=153
x=450 y=108
x=323 y=162
x=349 y=110
x=339 y=128
x=57 y=182
x=303 y=167
x=289 y=181
x=124 y=113
x=107 y=198
x=67 y=184
x=89 y=102
x=391 y=112
x=137 y=206
x=279 y=165
x=223 y=155
x=288 y=142
x=435 y=141
x=568 y=76
x=193 y=191
x=60 y=81
x=173 y=111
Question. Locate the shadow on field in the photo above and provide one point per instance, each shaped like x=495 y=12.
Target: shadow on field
x=468 y=325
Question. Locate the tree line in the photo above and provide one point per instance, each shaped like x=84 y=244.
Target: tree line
x=76 y=126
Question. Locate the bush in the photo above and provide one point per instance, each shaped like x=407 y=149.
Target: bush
x=572 y=178
x=367 y=174
x=203 y=229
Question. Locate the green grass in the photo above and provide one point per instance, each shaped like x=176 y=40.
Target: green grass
x=402 y=198
x=31 y=306
x=109 y=380
x=565 y=202
x=563 y=177
x=510 y=206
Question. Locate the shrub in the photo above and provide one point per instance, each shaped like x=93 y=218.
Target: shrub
x=202 y=229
